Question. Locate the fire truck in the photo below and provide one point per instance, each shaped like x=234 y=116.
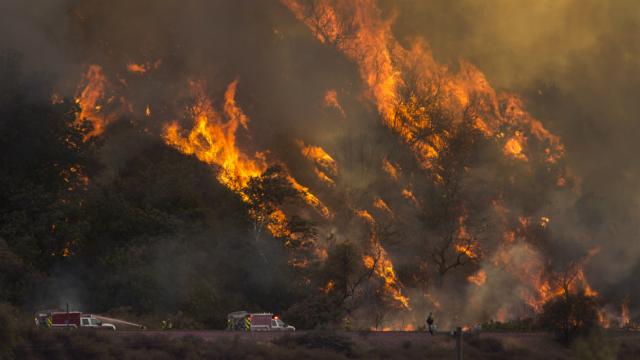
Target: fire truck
x=244 y=321
x=70 y=320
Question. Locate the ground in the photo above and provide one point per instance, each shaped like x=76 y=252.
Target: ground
x=410 y=345
x=32 y=343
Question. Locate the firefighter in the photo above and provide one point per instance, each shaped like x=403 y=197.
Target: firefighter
x=430 y=323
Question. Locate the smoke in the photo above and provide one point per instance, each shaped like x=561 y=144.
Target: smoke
x=575 y=63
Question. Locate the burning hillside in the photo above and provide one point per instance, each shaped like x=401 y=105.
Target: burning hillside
x=402 y=185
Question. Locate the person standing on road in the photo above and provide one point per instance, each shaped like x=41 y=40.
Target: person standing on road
x=430 y=323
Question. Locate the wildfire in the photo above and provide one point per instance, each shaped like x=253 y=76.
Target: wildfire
x=406 y=86
x=358 y=30
x=329 y=287
x=364 y=214
x=384 y=268
x=310 y=198
x=478 y=278
x=75 y=178
x=331 y=101
x=278 y=224
x=141 y=69
x=325 y=165
x=319 y=156
x=91 y=98
x=603 y=320
x=466 y=244
x=526 y=264
x=513 y=147
x=382 y=205
x=381 y=264
x=408 y=194
x=136 y=68
x=388 y=167
x=213 y=138
x=66 y=252
x=625 y=319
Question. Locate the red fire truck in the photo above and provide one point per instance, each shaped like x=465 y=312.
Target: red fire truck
x=70 y=319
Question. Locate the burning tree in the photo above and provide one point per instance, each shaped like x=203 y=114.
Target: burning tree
x=266 y=194
x=570 y=315
x=425 y=173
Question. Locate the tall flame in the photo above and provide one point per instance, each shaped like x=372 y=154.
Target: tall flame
x=381 y=264
x=358 y=30
x=213 y=138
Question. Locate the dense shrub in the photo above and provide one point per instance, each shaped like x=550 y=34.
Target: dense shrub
x=570 y=316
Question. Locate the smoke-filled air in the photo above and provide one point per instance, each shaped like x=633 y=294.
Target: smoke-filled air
x=344 y=164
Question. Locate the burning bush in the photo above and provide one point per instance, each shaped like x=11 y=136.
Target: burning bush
x=570 y=316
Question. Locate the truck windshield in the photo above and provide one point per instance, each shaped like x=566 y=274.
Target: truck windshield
x=280 y=323
x=95 y=321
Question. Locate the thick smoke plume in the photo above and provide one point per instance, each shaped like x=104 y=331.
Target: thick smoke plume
x=480 y=163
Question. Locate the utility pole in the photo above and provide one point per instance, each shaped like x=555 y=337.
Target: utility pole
x=458 y=343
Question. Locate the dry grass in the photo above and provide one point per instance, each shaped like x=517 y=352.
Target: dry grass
x=79 y=344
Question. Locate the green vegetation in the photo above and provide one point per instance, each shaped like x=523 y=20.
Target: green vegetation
x=151 y=233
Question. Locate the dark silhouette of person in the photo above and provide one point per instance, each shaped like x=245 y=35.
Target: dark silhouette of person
x=430 y=323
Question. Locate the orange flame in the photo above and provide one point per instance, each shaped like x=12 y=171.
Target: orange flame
x=325 y=164
x=319 y=156
x=358 y=30
x=382 y=205
x=478 y=278
x=329 y=287
x=136 y=68
x=388 y=167
x=513 y=147
x=90 y=98
x=331 y=101
x=624 y=313
x=213 y=138
x=141 y=69
x=408 y=194
x=382 y=266
x=310 y=198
